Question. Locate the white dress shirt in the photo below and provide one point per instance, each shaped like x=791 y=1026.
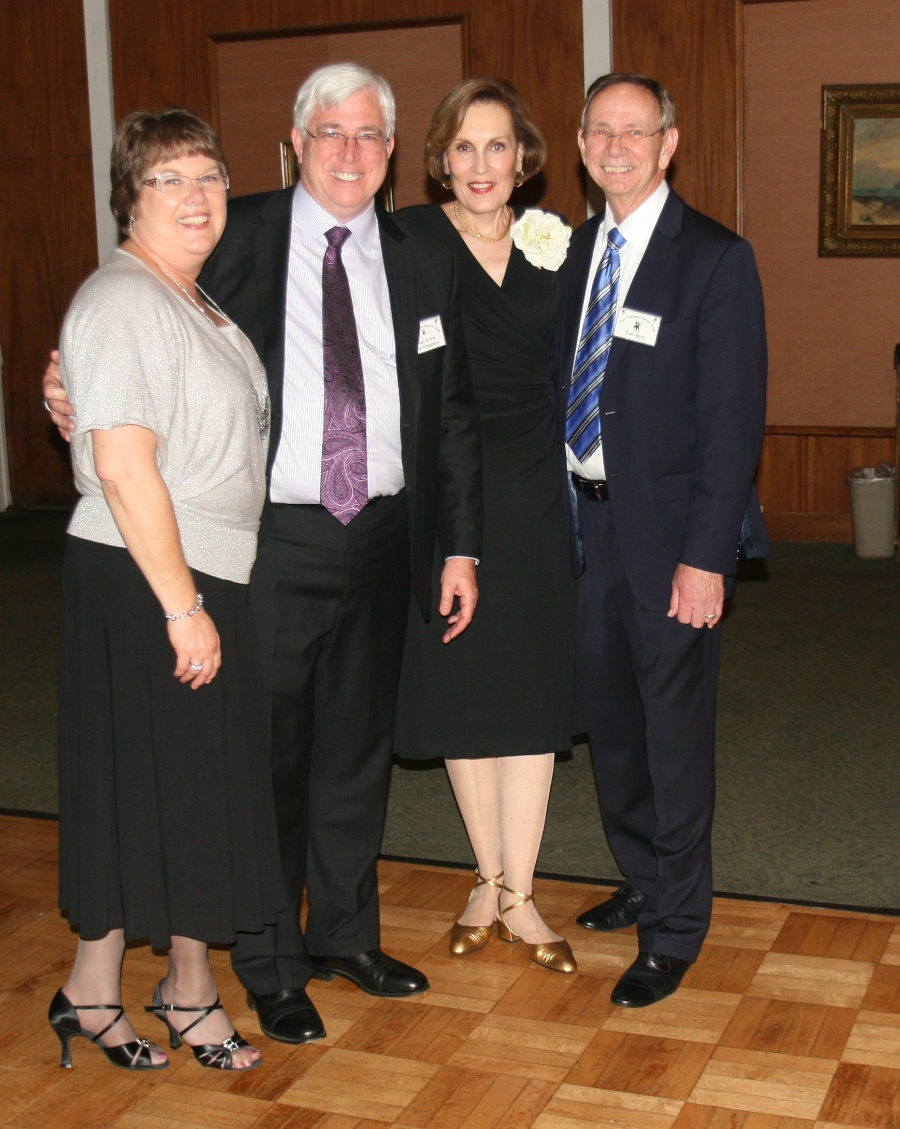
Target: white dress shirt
x=636 y=229
x=297 y=468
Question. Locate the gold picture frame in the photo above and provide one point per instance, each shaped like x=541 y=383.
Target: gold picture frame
x=290 y=173
x=860 y=212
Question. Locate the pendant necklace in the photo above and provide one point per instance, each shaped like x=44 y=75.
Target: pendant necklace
x=262 y=405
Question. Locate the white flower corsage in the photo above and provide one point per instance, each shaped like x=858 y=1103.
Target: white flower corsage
x=542 y=238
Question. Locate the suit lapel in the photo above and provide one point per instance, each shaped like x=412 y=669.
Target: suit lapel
x=651 y=277
x=271 y=255
x=400 y=281
x=578 y=267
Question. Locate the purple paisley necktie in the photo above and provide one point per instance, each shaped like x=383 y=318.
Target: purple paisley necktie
x=344 y=467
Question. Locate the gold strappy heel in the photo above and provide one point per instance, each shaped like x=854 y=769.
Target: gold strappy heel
x=469 y=938
x=555 y=955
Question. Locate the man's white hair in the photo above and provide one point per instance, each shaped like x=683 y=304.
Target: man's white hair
x=333 y=84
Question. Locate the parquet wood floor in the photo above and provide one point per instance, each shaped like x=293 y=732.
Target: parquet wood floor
x=789 y=1020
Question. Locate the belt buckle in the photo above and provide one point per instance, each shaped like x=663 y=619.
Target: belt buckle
x=597 y=491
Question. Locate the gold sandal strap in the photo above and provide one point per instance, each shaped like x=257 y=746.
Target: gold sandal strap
x=521 y=895
x=480 y=880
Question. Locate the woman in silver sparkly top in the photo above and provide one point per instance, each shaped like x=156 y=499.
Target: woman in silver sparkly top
x=167 y=827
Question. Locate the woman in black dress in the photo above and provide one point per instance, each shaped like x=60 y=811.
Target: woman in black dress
x=498 y=702
x=167 y=823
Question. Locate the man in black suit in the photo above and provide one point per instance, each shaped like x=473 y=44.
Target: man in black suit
x=330 y=594
x=660 y=363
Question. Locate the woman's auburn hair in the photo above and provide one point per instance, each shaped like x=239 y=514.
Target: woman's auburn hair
x=448 y=119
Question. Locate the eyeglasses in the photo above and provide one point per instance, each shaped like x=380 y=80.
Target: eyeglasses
x=172 y=185
x=330 y=141
x=627 y=136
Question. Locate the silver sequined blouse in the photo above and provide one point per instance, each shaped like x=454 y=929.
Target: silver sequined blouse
x=133 y=352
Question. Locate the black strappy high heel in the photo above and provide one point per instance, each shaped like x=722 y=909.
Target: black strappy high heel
x=64 y=1020
x=216 y=1055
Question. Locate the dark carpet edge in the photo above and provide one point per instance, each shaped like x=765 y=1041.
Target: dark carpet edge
x=591 y=880
x=21 y=814
x=584 y=879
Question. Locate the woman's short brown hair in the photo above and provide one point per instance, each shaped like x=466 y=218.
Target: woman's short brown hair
x=448 y=119
x=143 y=140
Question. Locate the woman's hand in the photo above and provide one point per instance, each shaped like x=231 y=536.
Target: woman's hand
x=139 y=500
x=196 y=644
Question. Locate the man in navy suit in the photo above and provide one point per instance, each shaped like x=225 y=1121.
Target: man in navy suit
x=660 y=364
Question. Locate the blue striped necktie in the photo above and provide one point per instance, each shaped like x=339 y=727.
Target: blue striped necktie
x=583 y=415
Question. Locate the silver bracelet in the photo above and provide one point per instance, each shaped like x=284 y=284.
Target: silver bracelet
x=185 y=615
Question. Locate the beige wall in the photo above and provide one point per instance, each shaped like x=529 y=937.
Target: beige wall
x=832 y=322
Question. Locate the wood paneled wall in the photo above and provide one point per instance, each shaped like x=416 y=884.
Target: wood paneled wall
x=801 y=478
x=695 y=48
x=255 y=80
x=162 y=52
x=692 y=48
x=47 y=227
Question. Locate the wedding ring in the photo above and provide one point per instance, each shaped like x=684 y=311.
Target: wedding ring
x=196 y=666
x=712 y=615
x=47 y=407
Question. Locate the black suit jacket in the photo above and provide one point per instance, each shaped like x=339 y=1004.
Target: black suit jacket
x=247 y=276
x=682 y=421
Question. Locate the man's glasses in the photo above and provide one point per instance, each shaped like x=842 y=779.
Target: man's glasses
x=627 y=136
x=330 y=141
x=172 y=185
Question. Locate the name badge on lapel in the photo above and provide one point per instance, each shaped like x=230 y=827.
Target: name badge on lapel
x=634 y=325
x=431 y=334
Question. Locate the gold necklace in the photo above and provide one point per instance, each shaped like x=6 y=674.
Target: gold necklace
x=477 y=234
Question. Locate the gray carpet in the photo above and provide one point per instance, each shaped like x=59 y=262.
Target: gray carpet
x=809 y=717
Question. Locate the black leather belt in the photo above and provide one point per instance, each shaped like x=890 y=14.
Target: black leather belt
x=594 y=488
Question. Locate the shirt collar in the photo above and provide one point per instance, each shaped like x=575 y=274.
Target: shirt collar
x=312 y=221
x=638 y=227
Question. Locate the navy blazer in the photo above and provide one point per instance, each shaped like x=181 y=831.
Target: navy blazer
x=440 y=444
x=683 y=420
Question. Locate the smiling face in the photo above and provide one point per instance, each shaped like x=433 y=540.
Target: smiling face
x=482 y=159
x=183 y=229
x=628 y=171
x=344 y=182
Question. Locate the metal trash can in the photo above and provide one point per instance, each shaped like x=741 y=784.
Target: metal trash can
x=872 y=509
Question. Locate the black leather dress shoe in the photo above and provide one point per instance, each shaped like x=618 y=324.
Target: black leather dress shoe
x=288 y=1016
x=619 y=912
x=375 y=972
x=650 y=979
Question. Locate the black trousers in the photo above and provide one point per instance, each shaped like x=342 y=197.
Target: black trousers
x=330 y=605
x=649 y=693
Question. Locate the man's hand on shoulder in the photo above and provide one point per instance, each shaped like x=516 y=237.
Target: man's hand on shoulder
x=697 y=596
x=61 y=411
x=458 y=582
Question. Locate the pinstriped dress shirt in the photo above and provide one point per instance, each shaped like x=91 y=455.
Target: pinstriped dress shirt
x=296 y=473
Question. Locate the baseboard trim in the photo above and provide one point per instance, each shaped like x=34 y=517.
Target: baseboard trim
x=809 y=527
x=614 y=883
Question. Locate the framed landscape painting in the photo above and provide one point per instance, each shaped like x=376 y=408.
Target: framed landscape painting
x=860 y=213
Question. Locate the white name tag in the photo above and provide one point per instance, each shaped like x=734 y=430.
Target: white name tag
x=431 y=334
x=633 y=325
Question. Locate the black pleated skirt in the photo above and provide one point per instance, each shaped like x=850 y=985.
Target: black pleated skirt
x=167 y=824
